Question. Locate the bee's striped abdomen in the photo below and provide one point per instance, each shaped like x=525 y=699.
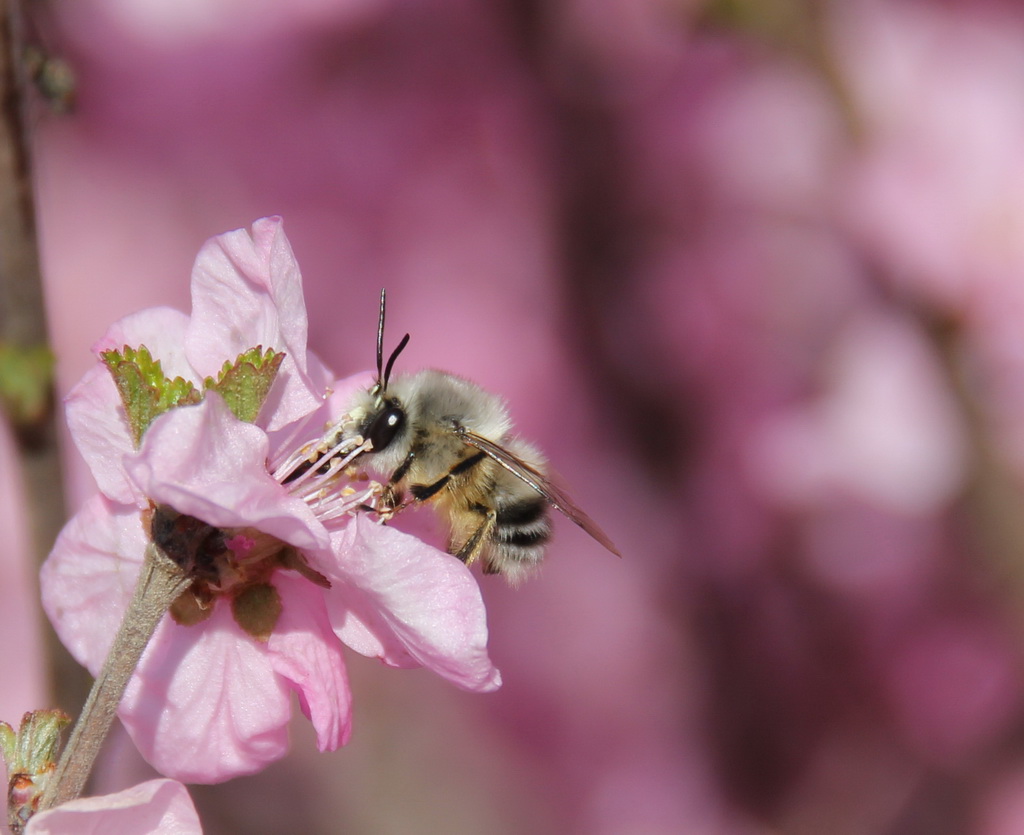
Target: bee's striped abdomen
x=522 y=528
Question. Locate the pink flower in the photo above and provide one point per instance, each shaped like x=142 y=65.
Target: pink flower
x=290 y=574
x=156 y=807
x=884 y=428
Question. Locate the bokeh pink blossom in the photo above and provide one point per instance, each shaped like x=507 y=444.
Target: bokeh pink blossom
x=751 y=274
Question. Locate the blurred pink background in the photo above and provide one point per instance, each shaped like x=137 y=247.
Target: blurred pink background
x=752 y=274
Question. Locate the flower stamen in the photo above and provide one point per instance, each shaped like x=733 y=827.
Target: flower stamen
x=302 y=464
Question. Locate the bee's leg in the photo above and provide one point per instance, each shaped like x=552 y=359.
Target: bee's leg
x=474 y=545
x=387 y=504
x=403 y=468
x=422 y=492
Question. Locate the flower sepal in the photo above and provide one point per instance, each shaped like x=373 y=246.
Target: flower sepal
x=31 y=757
x=245 y=383
x=146 y=392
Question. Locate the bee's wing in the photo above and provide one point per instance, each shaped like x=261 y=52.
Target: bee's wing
x=554 y=496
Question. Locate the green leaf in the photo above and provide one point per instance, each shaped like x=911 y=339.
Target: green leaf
x=245 y=384
x=26 y=378
x=146 y=391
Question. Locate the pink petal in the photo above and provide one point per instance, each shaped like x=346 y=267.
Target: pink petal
x=305 y=651
x=201 y=460
x=162 y=331
x=344 y=389
x=205 y=704
x=89 y=577
x=100 y=430
x=157 y=807
x=95 y=413
x=247 y=291
x=409 y=604
x=285 y=440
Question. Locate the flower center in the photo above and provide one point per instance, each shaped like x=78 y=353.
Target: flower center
x=239 y=563
x=234 y=563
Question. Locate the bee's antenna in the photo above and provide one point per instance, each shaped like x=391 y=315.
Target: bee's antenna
x=384 y=372
x=393 y=357
x=380 y=341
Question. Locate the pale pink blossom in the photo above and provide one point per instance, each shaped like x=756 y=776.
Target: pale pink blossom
x=884 y=430
x=211 y=700
x=156 y=807
x=937 y=186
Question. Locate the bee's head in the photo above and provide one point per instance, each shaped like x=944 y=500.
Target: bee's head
x=387 y=419
x=385 y=423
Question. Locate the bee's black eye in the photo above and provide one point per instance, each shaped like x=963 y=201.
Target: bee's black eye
x=382 y=430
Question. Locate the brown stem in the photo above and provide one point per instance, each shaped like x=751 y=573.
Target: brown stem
x=22 y=314
x=160 y=582
x=23 y=318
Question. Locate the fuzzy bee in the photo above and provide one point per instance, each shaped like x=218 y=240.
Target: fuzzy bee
x=441 y=439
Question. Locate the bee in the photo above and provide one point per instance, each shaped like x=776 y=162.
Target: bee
x=441 y=439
